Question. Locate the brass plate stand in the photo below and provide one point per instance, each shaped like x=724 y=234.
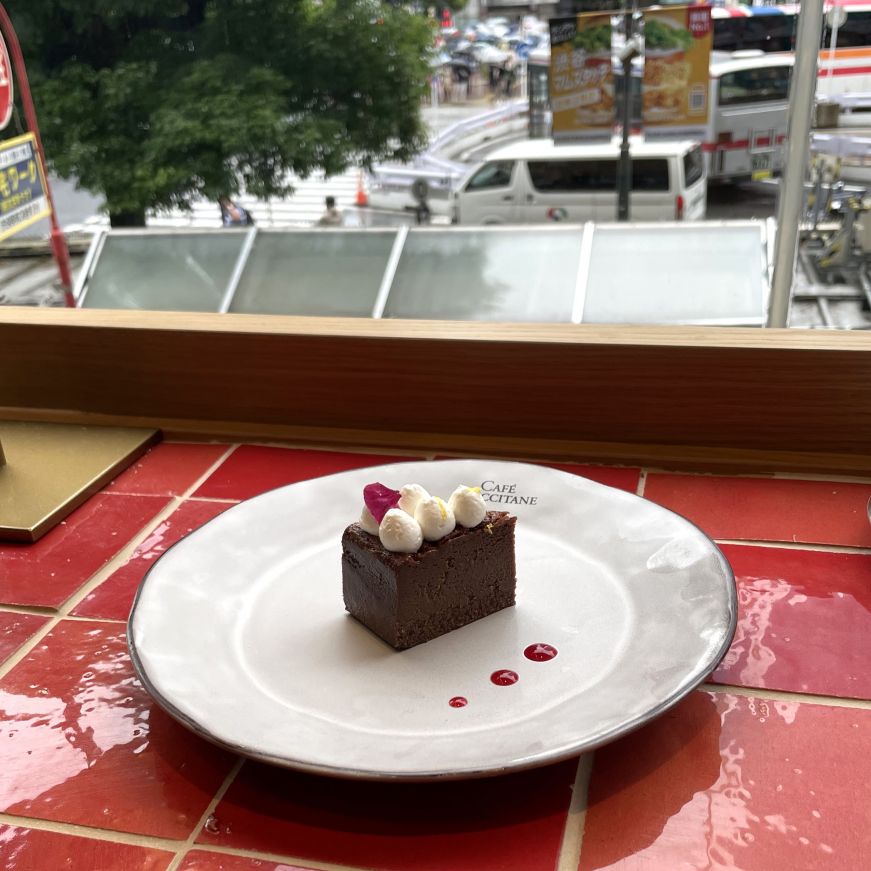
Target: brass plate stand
x=52 y=468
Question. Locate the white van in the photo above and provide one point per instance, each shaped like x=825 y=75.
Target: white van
x=535 y=180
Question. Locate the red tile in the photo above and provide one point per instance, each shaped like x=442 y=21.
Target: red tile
x=512 y=823
x=252 y=469
x=622 y=479
x=768 y=509
x=728 y=782
x=81 y=742
x=51 y=570
x=199 y=860
x=113 y=598
x=34 y=850
x=804 y=621
x=167 y=469
x=15 y=629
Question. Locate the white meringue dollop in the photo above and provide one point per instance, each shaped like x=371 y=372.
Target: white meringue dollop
x=368 y=522
x=400 y=532
x=435 y=518
x=468 y=506
x=411 y=495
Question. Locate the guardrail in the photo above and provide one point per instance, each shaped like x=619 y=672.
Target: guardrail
x=441 y=166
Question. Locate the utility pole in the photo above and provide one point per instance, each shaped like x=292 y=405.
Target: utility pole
x=629 y=51
x=791 y=197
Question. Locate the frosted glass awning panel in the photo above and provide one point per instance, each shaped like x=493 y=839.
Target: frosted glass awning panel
x=499 y=274
x=318 y=272
x=163 y=271
x=677 y=274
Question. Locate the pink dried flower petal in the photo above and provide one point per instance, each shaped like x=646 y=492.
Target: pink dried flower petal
x=380 y=499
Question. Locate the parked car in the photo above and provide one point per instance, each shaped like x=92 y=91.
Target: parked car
x=537 y=180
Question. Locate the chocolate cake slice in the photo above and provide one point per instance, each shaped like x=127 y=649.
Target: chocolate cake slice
x=409 y=598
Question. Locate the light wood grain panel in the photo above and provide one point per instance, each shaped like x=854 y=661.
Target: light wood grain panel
x=447 y=385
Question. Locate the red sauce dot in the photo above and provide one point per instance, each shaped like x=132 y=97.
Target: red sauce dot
x=540 y=652
x=458 y=702
x=504 y=678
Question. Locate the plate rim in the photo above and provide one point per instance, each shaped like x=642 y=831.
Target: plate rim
x=536 y=761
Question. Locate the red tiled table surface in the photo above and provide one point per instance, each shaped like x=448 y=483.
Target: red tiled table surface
x=94 y=775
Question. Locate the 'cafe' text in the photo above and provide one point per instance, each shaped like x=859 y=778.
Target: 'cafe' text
x=504 y=494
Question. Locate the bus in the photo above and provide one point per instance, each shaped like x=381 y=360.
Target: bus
x=845 y=52
x=745 y=136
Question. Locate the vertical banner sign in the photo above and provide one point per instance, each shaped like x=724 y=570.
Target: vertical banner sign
x=581 y=78
x=22 y=187
x=5 y=85
x=677 y=55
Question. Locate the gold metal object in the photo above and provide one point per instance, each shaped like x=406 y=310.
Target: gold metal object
x=53 y=468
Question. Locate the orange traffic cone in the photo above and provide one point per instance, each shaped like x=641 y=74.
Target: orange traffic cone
x=362 y=197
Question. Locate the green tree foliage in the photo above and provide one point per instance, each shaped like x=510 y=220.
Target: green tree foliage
x=154 y=102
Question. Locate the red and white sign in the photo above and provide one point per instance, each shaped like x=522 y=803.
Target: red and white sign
x=5 y=86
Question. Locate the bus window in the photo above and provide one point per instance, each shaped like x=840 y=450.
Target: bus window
x=693 y=167
x=759 y=33
x=492 y=175
x=854 y=33
x=573 y=176
x=649 y=174
x=754 y=85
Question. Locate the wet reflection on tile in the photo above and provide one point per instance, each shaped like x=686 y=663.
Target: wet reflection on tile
x=15 y=629
x=252 y=469
x=24 y=849
x=728 y=782
x=51 y=570
x=804 y=622
x=81 y=742
x=114 y=597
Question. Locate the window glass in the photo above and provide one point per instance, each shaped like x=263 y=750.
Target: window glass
x=759 y=33
x=659 y=283
x=526 y=274
x=754 y=85
x=855 y=32
x=164 y=271
x=693 y=167
x=314 y=272
x=492 y=175
x=650 y=174
x=573 y=176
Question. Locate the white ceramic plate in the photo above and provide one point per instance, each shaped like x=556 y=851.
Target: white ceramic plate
x=240 y=631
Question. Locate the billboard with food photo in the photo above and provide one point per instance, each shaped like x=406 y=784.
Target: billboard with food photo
x=581 y=78
x=677 y=53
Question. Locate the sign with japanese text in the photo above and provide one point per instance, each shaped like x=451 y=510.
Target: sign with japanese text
x=5 y=85
x=677 y=56
x=22 y=186
x=581 y=78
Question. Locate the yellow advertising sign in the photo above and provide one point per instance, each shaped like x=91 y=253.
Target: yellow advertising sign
x=23 y=200
x=677 y=55
x=581 y=77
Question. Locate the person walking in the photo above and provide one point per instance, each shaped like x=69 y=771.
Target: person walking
x=233 y=215
x=332 y=217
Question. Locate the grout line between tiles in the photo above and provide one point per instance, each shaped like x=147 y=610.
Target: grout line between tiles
x=783 y=696
x=573 y=834
x=207 y=814
x=106 y=570
x=81 y=831
x=796 y=545
x=33 y=610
